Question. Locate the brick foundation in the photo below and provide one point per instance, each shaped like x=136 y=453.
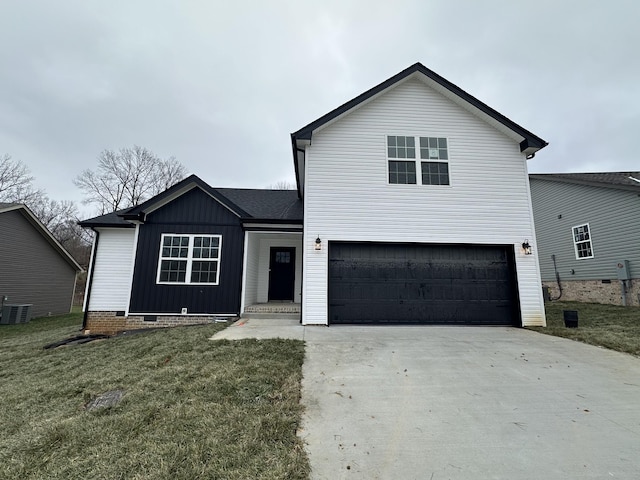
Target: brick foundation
x=109 y=323
x=595 y=291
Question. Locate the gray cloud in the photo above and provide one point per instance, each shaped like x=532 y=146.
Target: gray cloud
x=221 y=85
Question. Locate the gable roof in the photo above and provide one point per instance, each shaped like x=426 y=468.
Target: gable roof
x=248 y=204
x=42 y=230
x=619 y=180
x=529 y=144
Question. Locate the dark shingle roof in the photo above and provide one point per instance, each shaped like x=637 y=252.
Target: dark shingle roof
x=266 y=204
x=113 y=219
x=250 y=204
x=622 y=180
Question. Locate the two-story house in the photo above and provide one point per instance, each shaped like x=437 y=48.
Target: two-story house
x=412 y=207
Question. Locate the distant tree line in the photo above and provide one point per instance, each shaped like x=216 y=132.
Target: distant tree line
x=122 y=179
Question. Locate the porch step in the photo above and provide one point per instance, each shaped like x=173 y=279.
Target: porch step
x=272 y=310
x=283 y=316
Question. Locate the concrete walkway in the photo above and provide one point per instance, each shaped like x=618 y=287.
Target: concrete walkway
x=465 y=403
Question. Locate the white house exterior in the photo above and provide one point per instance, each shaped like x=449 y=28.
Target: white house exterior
x=412 y=207
x=343 y=168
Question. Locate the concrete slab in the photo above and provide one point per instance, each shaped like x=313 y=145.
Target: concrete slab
x=262 y=328
x=467 y=403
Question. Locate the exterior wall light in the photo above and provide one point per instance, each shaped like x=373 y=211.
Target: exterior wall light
x=318 y=245
x=526 y=247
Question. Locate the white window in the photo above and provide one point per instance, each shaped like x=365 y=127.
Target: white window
x=434 y=156
x=582 y=241
x=189 y=259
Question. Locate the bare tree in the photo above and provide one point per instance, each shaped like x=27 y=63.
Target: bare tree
x=282 y=185
x=127 y=177
x=16 y=182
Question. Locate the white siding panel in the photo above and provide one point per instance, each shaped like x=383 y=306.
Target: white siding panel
x=348 y=198
x=112 y=270
x=251 y=268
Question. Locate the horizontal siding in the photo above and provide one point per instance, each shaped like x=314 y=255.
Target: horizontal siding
x=112 y=267
x=348 y=197
x=614 y=221
x=251 y=269
x=32 y=271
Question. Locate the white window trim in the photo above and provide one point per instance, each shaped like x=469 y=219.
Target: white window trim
x=418 y=161
x=190 y=258
x=575 y=244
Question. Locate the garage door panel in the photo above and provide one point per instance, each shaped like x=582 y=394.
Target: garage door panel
x=414 y=283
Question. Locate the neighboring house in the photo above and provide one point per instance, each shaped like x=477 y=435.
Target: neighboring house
x=588 y=226
x=416 y=207
x=34 y=268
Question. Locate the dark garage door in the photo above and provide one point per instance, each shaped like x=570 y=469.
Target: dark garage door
x=382 y=283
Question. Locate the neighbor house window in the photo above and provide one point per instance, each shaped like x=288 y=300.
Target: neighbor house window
x=582 y=241
x=189 y=259
x=401 y=156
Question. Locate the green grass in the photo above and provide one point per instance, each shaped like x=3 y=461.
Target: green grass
x=193 y=408
x=609 y=326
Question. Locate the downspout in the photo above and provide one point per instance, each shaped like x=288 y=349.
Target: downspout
x=555 y=269
x=92 y=263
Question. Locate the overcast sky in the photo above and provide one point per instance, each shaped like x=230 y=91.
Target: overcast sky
x=221 y=85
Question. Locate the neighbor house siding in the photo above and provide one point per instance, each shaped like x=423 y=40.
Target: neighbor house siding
x=348 y=198
x=613 y=216
x=192 y=213
x=112 y=269
x=32 y=271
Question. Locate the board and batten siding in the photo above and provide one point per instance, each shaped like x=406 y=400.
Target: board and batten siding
x=112 y=270
x=32 y=271
x=613 y=216
x=348 y=197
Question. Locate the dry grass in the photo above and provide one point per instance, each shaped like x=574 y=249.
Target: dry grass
x=609 y=326
x=192 y=409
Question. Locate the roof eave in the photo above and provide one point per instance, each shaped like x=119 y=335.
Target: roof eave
x=530 y=144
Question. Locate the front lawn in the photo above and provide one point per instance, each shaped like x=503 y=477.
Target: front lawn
x=609 y=326
x=192 y=408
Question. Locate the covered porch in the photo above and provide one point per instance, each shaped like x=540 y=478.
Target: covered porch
x=272 y=273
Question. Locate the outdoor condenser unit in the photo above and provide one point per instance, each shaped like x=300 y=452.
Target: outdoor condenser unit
x=15 y=314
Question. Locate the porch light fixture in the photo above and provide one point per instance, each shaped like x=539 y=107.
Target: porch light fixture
x=526 y=247
x=318 y=243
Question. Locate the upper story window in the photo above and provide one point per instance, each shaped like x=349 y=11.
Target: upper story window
x=189 y=259
x=582 y=241
x=403 y=166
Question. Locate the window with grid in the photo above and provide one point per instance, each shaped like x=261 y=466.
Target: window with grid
x=401 y=171
x=582 y=241
x=433 y=151
x=189 y=259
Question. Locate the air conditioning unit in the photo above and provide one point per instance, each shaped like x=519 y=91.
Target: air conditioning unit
x=15 y=314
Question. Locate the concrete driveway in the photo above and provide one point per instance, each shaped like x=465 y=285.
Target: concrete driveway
x=463 y=403
x=467 y=403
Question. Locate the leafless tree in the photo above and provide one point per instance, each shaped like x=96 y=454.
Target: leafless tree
x=282 y=185
x=127 y=177
x=16 y=182
x=60 y=217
